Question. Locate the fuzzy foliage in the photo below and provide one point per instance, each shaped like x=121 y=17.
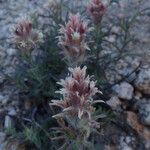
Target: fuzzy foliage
x=76 y=119
x=72 y=39
x=25 y=36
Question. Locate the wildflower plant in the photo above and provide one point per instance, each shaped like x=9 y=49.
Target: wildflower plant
x=73 y=115
x=34 y=70
x=72 y=39
x=26 y=37
x=97 y=9
x=76 y=118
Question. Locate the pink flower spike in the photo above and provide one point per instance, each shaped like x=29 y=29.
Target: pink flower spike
x=72 y=38
x=76 y=117
x=97 y=9
x=78 y=91
x=25 y=36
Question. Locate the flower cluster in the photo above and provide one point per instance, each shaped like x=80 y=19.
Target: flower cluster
x=76 y=105
x=96 y=9
x=25 y=36
x=72 y=38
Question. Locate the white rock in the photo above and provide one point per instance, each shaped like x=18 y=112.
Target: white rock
x=8 y=122
x=124 y=90
x=142 y=83
x=11 y=51
x=114 y=102
x=12 y=112
x=124 y=143
x=115 y=29
x=144 y=113
x=111 y=38
x=4 y=99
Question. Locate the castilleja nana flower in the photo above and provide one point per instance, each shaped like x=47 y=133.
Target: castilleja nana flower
x=78 y=91
x=72 y=38
x=97 y=9
x=76 y=120
x=25 y=36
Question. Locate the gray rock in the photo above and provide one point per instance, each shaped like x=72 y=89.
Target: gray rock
x=123 y=69
x=115 y=30
x=112 y=76
x=126 y=66
x=4 y=33
x=2 y=140
x=2 y=78
x=12 y=111
x=124 y=90
x=137 y=95
x=10 y=70
x=114 y=102
x=124 y=143
x=3 y=99
x=142 y=83
x=11 y=51
x=2 y=56
x=144 y=112
x=111 y=38
x=2 y=137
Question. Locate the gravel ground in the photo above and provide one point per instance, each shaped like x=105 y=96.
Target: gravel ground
x=12 y=10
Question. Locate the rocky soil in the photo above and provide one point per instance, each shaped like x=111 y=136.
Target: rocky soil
x=130 y=99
